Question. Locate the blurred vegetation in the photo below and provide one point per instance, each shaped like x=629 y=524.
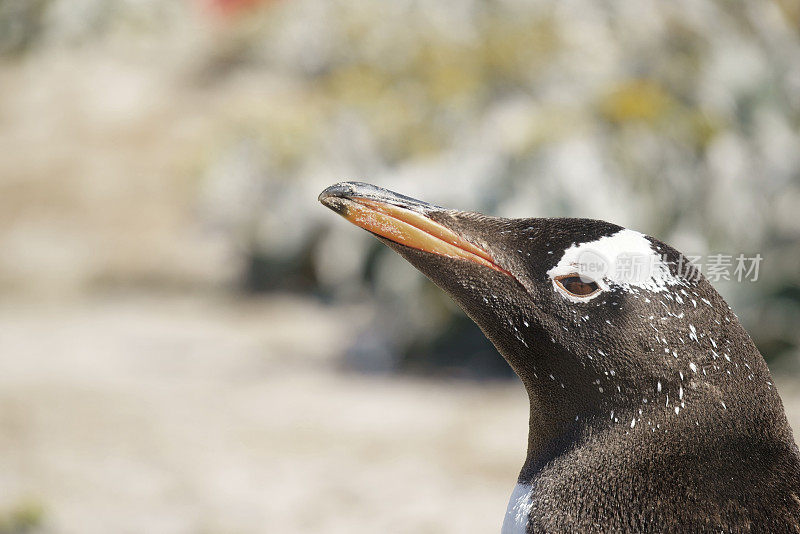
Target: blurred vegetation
x=23 y=518
x=20 y=24
x=678 y=119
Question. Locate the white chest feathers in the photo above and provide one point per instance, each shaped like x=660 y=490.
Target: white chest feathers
x=519 y=506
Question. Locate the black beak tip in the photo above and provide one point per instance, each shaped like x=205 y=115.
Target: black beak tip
x=336 y=190
x=333 y=197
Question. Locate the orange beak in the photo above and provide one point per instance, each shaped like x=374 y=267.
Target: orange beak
x=402 y=220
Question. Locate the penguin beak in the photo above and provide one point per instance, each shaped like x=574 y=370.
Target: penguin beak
x=402 y=220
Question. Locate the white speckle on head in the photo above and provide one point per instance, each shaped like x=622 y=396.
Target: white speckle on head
x=625 y=259
x=693 y=333
x=693 y=367
x=519 y=507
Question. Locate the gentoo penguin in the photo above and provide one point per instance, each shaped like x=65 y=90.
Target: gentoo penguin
x=651 y=410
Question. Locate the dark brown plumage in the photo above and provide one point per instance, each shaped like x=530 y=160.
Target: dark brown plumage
x=651 y=410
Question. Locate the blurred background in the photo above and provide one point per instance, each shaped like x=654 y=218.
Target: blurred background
x=190 y=343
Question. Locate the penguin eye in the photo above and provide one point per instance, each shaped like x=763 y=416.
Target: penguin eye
x=577 y=286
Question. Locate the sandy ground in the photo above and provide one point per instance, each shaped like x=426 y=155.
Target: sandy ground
x=185 y=415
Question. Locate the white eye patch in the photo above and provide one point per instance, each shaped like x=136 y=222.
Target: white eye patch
x=625 y=259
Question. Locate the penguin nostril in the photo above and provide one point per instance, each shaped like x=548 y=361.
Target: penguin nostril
x=575 y=285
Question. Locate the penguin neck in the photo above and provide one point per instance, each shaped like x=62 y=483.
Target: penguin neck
x=564 y=403
x=560 y=424
x=565 y=419
x=569 y=406
x=556 y=423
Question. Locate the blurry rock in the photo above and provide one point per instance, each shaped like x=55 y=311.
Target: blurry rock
x=372 y=352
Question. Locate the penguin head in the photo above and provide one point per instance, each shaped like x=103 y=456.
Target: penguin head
x=587 y=313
